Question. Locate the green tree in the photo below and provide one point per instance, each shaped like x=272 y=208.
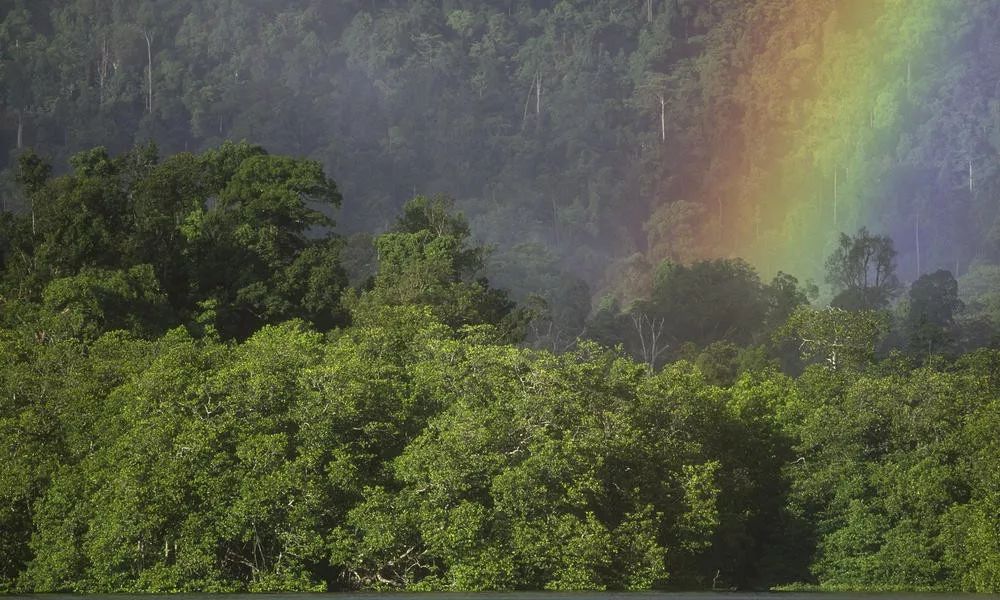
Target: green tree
x=838 y=337
x=96 y=301
x=862 y=272
x=427 y=260
x=232 y=226
x=930 y=321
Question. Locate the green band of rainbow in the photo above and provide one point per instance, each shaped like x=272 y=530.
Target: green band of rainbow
x=825 y=96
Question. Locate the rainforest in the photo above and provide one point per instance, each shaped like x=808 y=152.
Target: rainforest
x=459 y=295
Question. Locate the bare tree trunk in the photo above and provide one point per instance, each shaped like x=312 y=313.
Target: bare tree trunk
x=527 y=101
x=663 y=119
x=650 y=333
x=102 y=69
x=538 y=93
x=971 y=186
x=20 y=129
x=649 y=11
x=149 y=69
x=916 y=233
x=538 y=102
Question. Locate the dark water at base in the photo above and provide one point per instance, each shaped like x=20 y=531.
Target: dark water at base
x=531 y=596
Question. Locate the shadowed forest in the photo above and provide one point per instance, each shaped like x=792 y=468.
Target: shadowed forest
x=466 y=310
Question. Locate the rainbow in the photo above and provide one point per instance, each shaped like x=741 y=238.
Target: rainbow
x=801 y=149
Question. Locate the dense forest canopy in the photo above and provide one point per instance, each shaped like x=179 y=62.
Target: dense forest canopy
x=710 y=296
x=608 y=132
x=193 y=396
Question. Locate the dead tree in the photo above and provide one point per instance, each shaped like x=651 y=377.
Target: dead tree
x=650 y=331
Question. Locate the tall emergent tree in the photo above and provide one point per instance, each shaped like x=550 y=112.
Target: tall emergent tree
x=930 y=321
x=428 y=259
x=862 y=271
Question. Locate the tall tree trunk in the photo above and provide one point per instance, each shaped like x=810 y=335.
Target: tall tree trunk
x=650 y=332
x=20 y=129
x=149 y=69
x=538 y=93
x=649 y=11
x=538 y=102
x=527 y=101
x=102 y=69
x=663 y=119
x=916 y=234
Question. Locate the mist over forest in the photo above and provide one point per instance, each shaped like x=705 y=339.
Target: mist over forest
x=544 y=120
x=321 y=295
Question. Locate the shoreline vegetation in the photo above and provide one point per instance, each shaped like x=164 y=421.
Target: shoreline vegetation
x=204 y=389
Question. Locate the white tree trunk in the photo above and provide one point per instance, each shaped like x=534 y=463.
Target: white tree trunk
x=149 y=69
x=538 y=93
x=102 y=69
x=527 y=102
x=663 y=119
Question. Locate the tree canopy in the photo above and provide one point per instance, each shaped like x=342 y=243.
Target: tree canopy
x=192 y=398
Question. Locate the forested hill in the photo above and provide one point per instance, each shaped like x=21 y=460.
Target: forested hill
x=604 y=135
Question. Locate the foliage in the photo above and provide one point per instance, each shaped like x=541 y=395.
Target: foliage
x=890 y=468
x=933 y=306
x=427 y=260
x=229 y=226
x=862 y=271
x=836 y=336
